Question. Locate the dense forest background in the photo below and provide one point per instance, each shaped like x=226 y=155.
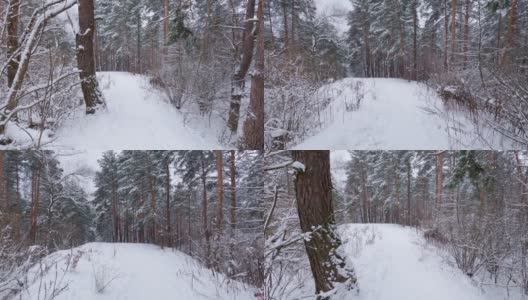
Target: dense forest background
x=472 y=52
x=204 y=203
x=198 y=54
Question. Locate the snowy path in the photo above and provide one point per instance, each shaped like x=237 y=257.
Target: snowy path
x=136 y=272
x=135 y=119
x=390 y=117
x=393 y=263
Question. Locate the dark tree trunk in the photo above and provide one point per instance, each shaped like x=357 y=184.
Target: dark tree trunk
x=254 y=124
x=313 y=188
x=220 y=203
x=238 y=79
x=93 y=98
x=12 y=41
x=167 y=204
x=233 y=194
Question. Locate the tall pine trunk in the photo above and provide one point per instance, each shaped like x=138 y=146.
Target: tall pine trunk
x=254 y=123
x=220 y=203
x=232 y=171
x=313 y=189
x=238 y=80
x=453 y=30
x=93 y=98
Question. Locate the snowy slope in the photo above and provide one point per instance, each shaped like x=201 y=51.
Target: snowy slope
x=133 y=272
x=393 y=263
x=136 y=118
x=394 y=115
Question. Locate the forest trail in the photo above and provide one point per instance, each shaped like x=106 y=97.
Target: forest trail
x=393 y=262
x=394 y=114
x=136 y=118
x=135 y=271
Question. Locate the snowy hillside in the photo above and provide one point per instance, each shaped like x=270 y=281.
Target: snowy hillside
x=391 y=114
x=132 y=271
x=136 y=118
x=396 y=263
x=393 y=262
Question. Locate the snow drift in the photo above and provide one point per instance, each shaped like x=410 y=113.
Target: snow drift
x=129 y=271
x=393 y=262
x=136 y=118
x=393 y=114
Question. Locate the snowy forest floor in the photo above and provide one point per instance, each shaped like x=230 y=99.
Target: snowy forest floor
x=136 y=118
x=130 y=271
x=393 y=262
x=393 y=114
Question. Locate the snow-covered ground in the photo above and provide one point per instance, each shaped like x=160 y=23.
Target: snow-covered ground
x=394 y=114
x=136 y=118
x=132 y=271
x=393 y=262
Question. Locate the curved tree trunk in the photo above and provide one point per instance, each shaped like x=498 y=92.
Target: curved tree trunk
x=237 y=85
x=313 y=188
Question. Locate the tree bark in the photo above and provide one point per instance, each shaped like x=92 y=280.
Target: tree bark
x=238 y=80
x=508 y=43
x=205 y=221
x=12 y=40
x=453 y=30
x=166 y=20
x=35 y=196
x=313 y=188
x=93 y=98
x=220 y=203
x=466 y=32
x=415 y=42
x=439 y=177
x=254 y=123
x=233 y=194
x=2 y=154
x=167 y=204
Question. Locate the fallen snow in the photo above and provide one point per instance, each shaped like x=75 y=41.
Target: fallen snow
x=136 y=118
x=395 y=263
x=395 y=114
x=133 y=271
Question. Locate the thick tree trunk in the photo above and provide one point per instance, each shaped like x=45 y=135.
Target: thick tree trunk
x=366 y=40
x=238 y=80
x=292 y=37
x=453 y=30
x=409 y=177
x=466 y=32
x=2 y=154
x=166 y=20
x=286 y=34
x=439 y=177
x=12 y=40
x=115 y=210
x=167 y=205
x=153 y=206
x=415 y=42
x=313 y=188
x=232 y=172
x=508 y=43
x=35 y=196
x=93 y=98
x=205 y=221
x=446 y=34
x=254 y=124
x=220 y=203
